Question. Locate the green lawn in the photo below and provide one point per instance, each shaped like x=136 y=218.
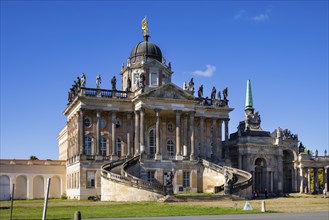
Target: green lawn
x=61 y=209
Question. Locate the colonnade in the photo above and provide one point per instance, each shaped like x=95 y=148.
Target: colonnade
x=184 y=144
x=305 y=179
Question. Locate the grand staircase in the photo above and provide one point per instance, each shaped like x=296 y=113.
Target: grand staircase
x=125 y=172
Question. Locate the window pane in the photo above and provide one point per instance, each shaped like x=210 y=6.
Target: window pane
x=186 y=179
x=90 y=179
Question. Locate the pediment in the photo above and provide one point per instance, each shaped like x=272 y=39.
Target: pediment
x=168 y=91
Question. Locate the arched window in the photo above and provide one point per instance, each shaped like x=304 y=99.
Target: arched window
x=152 y=142
x=118 y=147
x=102 y=149
x=88 y=145
x=171 y=148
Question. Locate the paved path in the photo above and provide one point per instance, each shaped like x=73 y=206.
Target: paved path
x=274 y=216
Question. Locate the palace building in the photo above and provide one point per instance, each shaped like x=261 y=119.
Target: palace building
x=146 y=137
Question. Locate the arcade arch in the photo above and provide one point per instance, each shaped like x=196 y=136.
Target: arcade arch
x=4 y=187
x=21 y=187
x=38 y=187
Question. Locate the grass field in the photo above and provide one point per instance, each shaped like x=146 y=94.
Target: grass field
x=64 y=209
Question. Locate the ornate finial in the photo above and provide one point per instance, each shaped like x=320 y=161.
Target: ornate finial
x=145 y=26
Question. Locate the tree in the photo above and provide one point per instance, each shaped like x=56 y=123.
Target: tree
x=32 y=157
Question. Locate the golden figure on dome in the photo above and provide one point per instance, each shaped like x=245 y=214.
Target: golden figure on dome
x=145 y=26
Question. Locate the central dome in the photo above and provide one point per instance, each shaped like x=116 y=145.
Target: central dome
x=145 y=49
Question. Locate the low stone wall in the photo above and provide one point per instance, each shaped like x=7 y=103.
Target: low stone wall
x=112 y=191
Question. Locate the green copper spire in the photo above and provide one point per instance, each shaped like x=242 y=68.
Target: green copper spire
x=249 y=102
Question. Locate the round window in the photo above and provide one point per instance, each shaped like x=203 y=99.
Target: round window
x=170 y=127
x=86 y=122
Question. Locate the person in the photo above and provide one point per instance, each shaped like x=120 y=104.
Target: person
x=254 y=195
x=265 y=192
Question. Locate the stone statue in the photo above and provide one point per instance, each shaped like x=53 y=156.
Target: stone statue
x=200 y=91
x=278 y=132
x=169 y=183
x=169 y=65
x=83 y=80
x=98 y=81
x=301 y=147
x=128 y=84
x=191 y=86
x=219 y=96
x=185 y=86
x=142 y=80
x=316 y=153
x=226 y=177
x=114 y=83
x=325 y=152
x=122 y=67
x=225 y=93
x=213 y=93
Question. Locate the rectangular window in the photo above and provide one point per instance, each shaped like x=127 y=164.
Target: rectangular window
x=90 y=179
x=186 y=179
x=154 y=79
x=150 y=176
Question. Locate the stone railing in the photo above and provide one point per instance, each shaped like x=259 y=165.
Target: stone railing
x=239 y=179
x=125 y=178
x=92 y=92
x=137 y=182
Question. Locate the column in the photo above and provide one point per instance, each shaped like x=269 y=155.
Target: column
x=108 y=144
x=325 y=178
x=301 y=174
x=271 y=187
x=137 y=147
x=128 y=134
x=240 y=160
x=227 y=153
x=192 y=155
x=201 y=137
x=220 y=147
x=81 y=133
x=316 y=180
x=157 y=135
x=295 y=181
x=141 y=133
x=214 y=138
x=114 y=119
x=185 y=135
x=178 y=153
x=280 y=174
x=309 y=180
x=98 y=132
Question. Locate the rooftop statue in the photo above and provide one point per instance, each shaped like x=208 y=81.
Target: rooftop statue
x=191 y=86
x=98 y=81
x=114 y=83
x=83 y=80
x=145 y=26
x=219 y=96
x=200 y=91
x=225 y=93
x=213 y=93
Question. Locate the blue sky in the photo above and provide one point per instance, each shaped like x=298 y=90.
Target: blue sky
x=281 y=46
